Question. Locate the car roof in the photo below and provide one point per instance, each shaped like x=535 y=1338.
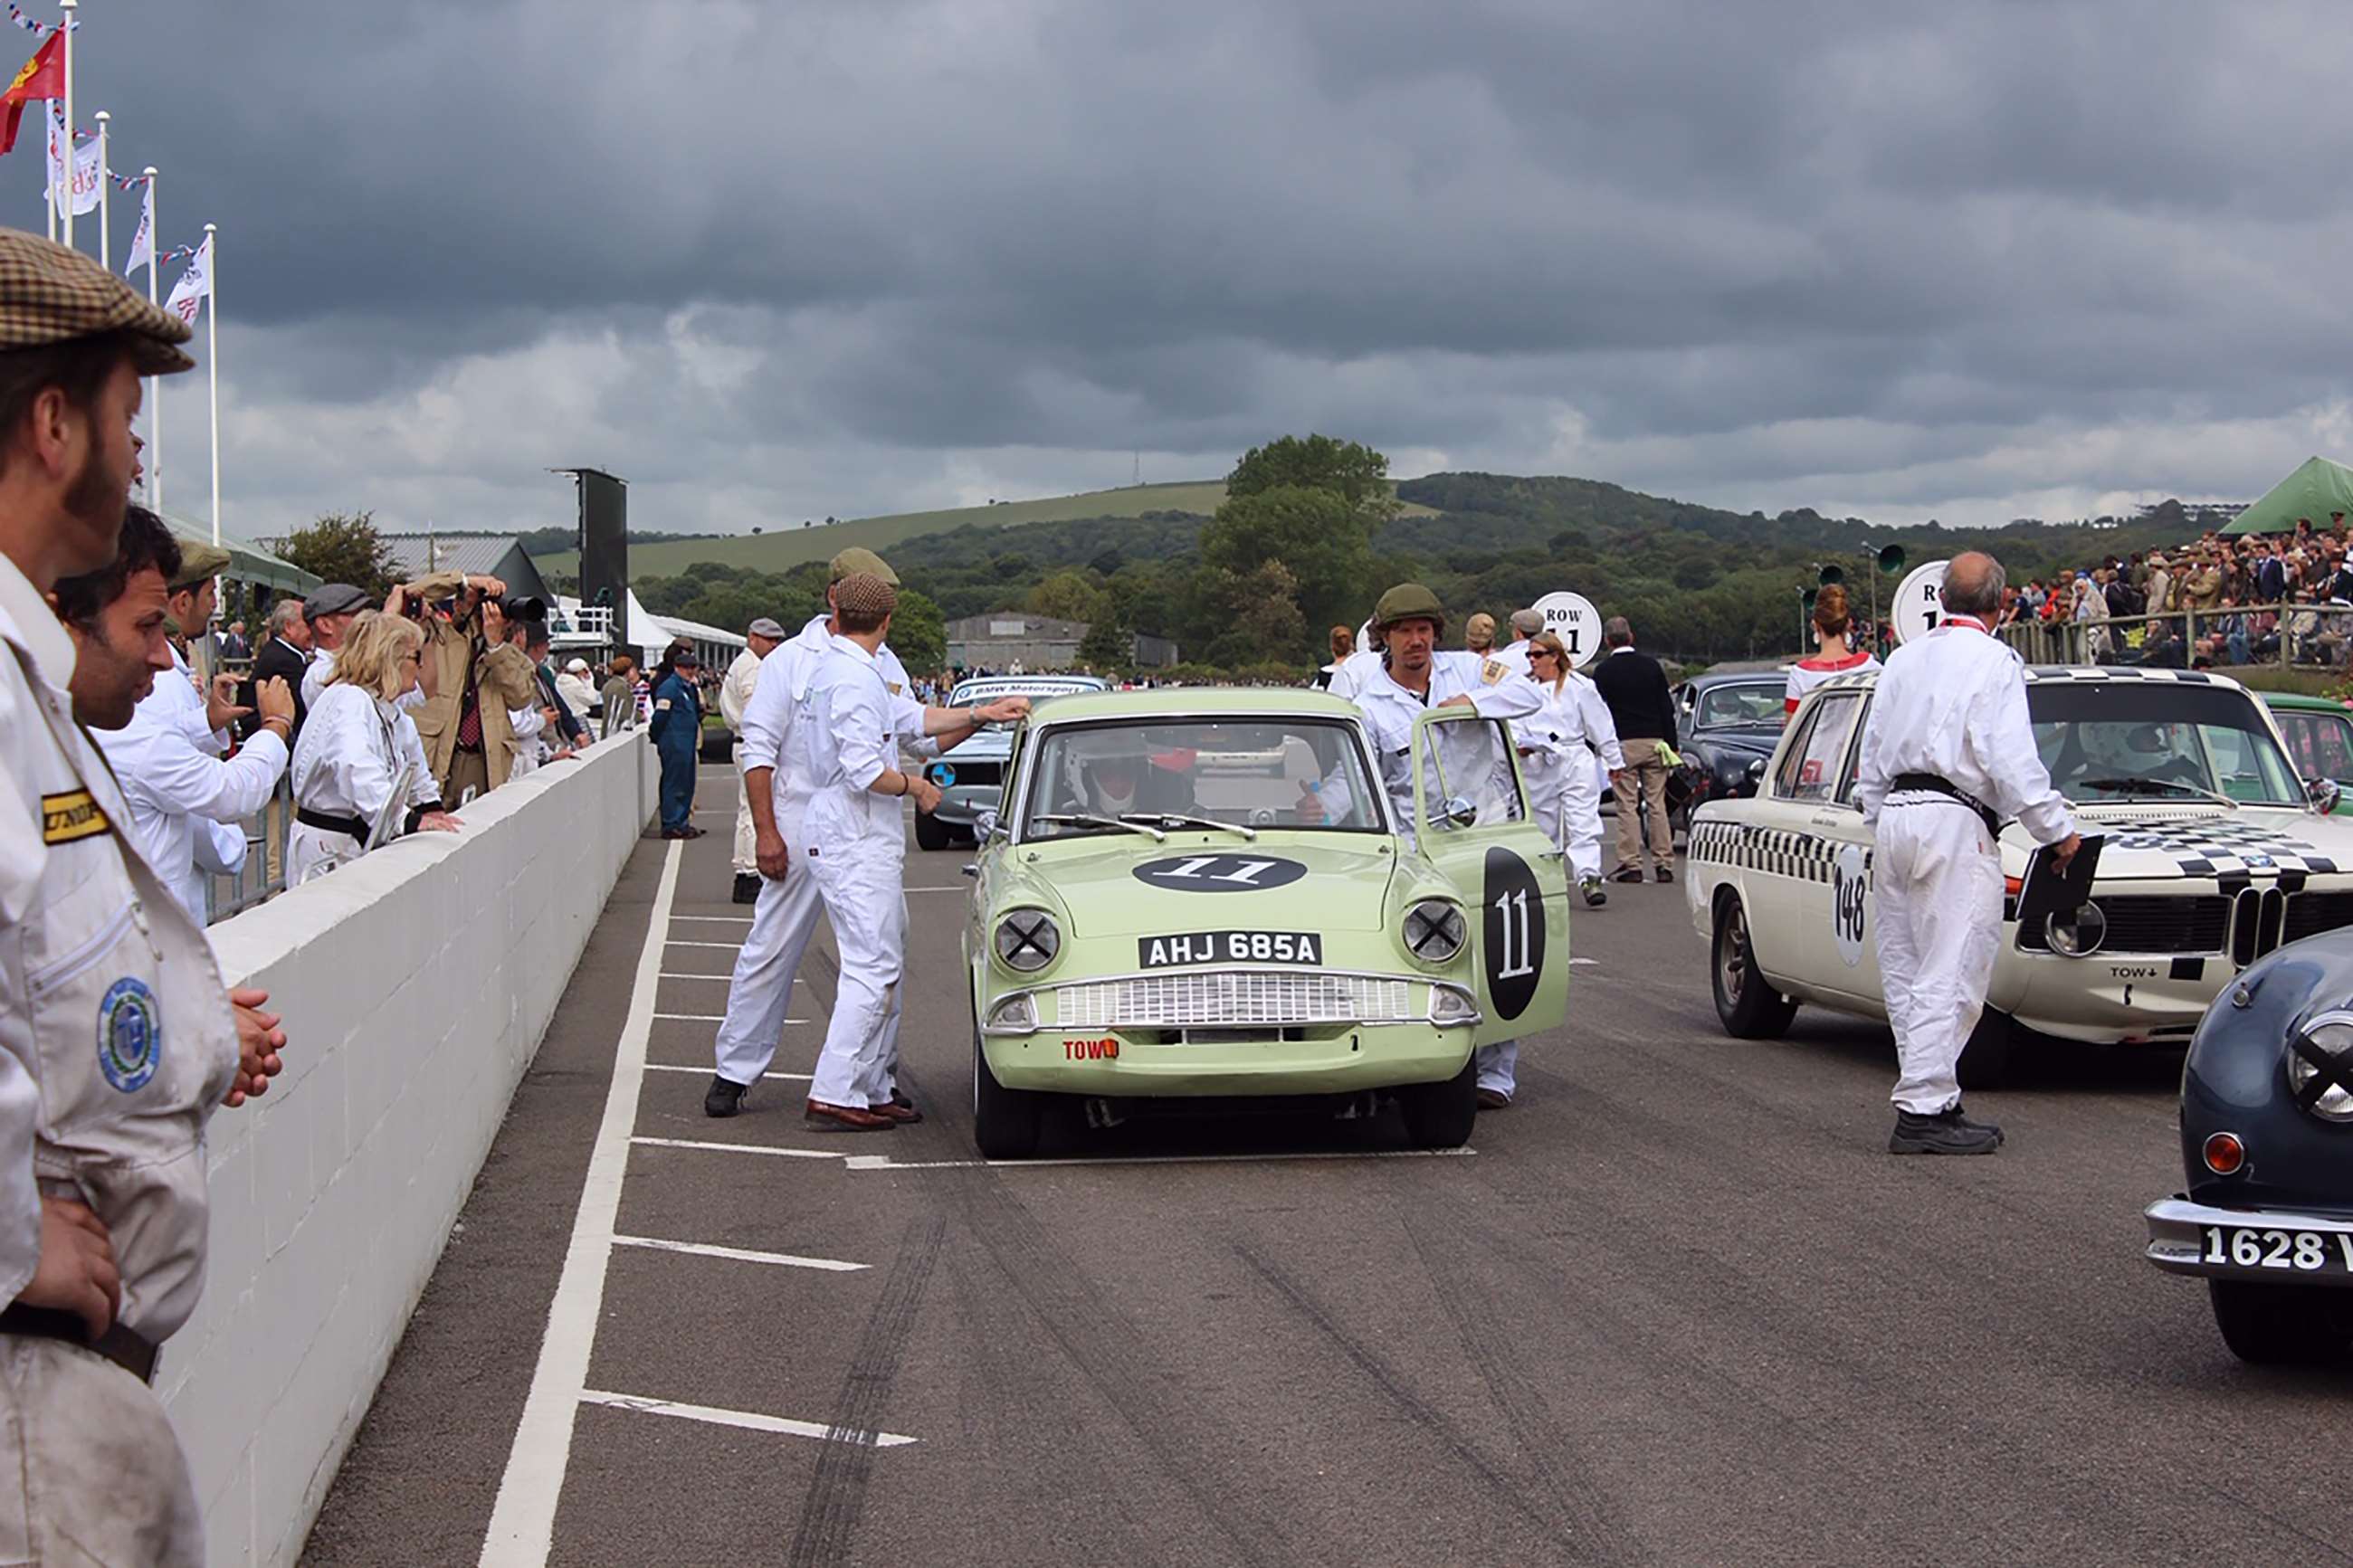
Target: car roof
x=1029 y=685
x=2058 y=674
x=2302 y=701
x=1708 y=678
x=1199 y=702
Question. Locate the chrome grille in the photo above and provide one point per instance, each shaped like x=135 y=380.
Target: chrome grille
x=1233 y=998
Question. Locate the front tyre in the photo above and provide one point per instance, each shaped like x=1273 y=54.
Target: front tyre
x=2281 y=1325
x=1985 y=1058
x=931 y=833
x=1750 y=1006
x=1005 y=1121
x=1439 y=1115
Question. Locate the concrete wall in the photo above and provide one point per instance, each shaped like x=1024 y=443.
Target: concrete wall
x=415 y=987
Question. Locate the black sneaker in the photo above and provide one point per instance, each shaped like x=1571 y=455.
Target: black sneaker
x=1946 y=1134
x=1665 y=875
x=1627 y=874
x=724 y=1097
x=1594 y=896
x=747 y=888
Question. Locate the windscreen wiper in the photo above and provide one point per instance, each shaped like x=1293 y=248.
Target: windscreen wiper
x=2163 y=786
x=1169 y=818
x=1152 y=833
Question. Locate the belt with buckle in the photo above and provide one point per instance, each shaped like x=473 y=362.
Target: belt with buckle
x=132 y=1353
x=327 y=822
x=1937 y=784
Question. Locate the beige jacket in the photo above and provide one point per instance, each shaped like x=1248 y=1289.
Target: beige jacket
x=502 y=677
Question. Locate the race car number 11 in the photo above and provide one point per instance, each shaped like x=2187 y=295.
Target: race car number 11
x=1849 y=885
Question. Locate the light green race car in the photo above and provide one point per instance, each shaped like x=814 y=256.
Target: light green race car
x=1204 y=892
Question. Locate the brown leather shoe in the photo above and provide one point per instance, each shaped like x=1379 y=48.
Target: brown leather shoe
x=824 y=1118
x=897 y=1111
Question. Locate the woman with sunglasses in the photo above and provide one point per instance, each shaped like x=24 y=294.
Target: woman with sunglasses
x=1557 y=745
x=360 y=772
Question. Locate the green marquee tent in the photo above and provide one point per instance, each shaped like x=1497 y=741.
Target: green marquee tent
x=247 y=563
x=2313 y=490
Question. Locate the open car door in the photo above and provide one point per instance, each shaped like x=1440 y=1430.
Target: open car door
x=1471 y=821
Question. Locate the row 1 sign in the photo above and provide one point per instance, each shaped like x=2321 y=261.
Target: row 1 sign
x=1917 y=606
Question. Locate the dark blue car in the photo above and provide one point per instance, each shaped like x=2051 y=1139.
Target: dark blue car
x=2267 y=1137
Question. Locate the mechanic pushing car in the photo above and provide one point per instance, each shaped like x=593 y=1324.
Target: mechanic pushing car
x=1414 y=676
x=1947 y=754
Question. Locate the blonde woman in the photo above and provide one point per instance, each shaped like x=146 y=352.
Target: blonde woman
x=358 y=762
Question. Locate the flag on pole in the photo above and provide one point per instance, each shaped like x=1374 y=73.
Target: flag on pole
x=196 y=285
x=85 y=178
x=60 y=157
x=43 y=75
x=143 y=242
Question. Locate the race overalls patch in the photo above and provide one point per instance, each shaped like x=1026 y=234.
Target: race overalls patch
x=71 y=815
x=130 y=1033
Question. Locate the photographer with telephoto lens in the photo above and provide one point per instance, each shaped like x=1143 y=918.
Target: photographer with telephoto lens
x=478 y=677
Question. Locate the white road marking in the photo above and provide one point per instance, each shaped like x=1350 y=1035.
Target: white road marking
x=738 y=947
x=742 y=1255
x=1592 y=961
x=884 y=1162
x=746 y=1419
x=729 y=920
x=697 y=1017
x=676 y=974
x=523 y=1521
x=740 y=1148
x=668 y=1067
x=936 y=890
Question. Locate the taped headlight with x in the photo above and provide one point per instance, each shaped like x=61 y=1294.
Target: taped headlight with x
x=1433 y=930
x=2320 y=1067
x=1028 y=939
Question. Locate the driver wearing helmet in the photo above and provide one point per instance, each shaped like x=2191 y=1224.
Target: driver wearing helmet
x=1119 y=777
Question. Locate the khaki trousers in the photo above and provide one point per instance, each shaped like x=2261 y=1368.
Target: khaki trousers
x=1642 y=793
x=90 y=1469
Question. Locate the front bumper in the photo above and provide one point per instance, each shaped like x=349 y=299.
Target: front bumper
x=2179 y=1243
x=1365 y=1056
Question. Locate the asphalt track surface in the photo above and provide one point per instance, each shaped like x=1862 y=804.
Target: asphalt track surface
x=1678 y=1307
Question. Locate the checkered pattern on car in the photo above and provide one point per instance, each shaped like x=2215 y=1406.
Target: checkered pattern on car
x=2230 y=851
x=1776 y=851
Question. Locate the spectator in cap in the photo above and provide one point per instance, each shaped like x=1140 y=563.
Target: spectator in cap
x=574 y=687
x=1479 y=634
x=330 y=612
x=108 y=1276
x=619 y=696
x=677 y=730
x=761 y=638
x=188 y=801
x=287 y=655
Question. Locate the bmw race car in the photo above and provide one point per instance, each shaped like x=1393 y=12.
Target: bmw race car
x=2217 y=854
x=2266 y=1218
x=1157 y=916
x=970 y=774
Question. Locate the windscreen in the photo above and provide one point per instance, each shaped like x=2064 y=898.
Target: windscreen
x=1258 y=773
x=2150 y=740
x=1746 y=702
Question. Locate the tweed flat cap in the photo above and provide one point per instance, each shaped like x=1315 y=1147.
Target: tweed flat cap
x=199 y=563
x=863 y=594
x=51 y=295
x=765 y=627
x=334 y=599
x=858 y=558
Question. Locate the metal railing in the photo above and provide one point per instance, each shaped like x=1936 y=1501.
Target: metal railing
x=2308 y=635
x=263 y=875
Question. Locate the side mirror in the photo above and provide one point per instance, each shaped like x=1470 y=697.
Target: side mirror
x=985 y=825
x=1457 y=812
x=2321 y=795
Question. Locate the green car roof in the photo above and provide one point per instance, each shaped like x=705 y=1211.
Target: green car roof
x=2298 y=701
x=1194 y=702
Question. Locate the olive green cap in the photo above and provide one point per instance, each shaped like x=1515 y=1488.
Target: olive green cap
x=200 y=563
x=1407 y=602
x=858 y=559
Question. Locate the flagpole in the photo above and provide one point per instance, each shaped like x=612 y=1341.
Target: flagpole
x=68 y=6
x=49 y=164
x=212 y=358
x=105 y=195
x=154 y=382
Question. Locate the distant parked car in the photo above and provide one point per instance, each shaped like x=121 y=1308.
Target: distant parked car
x=1727 y=725
x=971 y=775
x=2319 y=735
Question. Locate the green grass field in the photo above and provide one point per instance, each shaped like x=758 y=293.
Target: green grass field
x=778 y=551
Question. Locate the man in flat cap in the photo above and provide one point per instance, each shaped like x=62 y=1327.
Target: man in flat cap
x=104 y=1216
x=330 y=612
x=761 y=638
x=778 y=789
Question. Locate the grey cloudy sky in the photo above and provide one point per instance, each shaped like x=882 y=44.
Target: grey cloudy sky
x=772 y=259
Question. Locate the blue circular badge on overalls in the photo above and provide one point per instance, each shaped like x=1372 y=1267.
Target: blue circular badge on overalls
x=130 y=1033
x=942 y=775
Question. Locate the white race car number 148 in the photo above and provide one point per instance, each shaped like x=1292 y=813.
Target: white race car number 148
x=1850 y=888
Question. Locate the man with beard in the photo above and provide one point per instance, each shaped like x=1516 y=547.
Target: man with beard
x=103 y=1204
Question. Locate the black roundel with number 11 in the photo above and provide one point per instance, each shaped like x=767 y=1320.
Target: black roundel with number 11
x=1511 y=914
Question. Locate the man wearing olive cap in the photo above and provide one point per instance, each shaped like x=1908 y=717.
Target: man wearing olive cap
x=1415 y=677
x=778 y=788
x=106 y=1086
x=760 y=639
